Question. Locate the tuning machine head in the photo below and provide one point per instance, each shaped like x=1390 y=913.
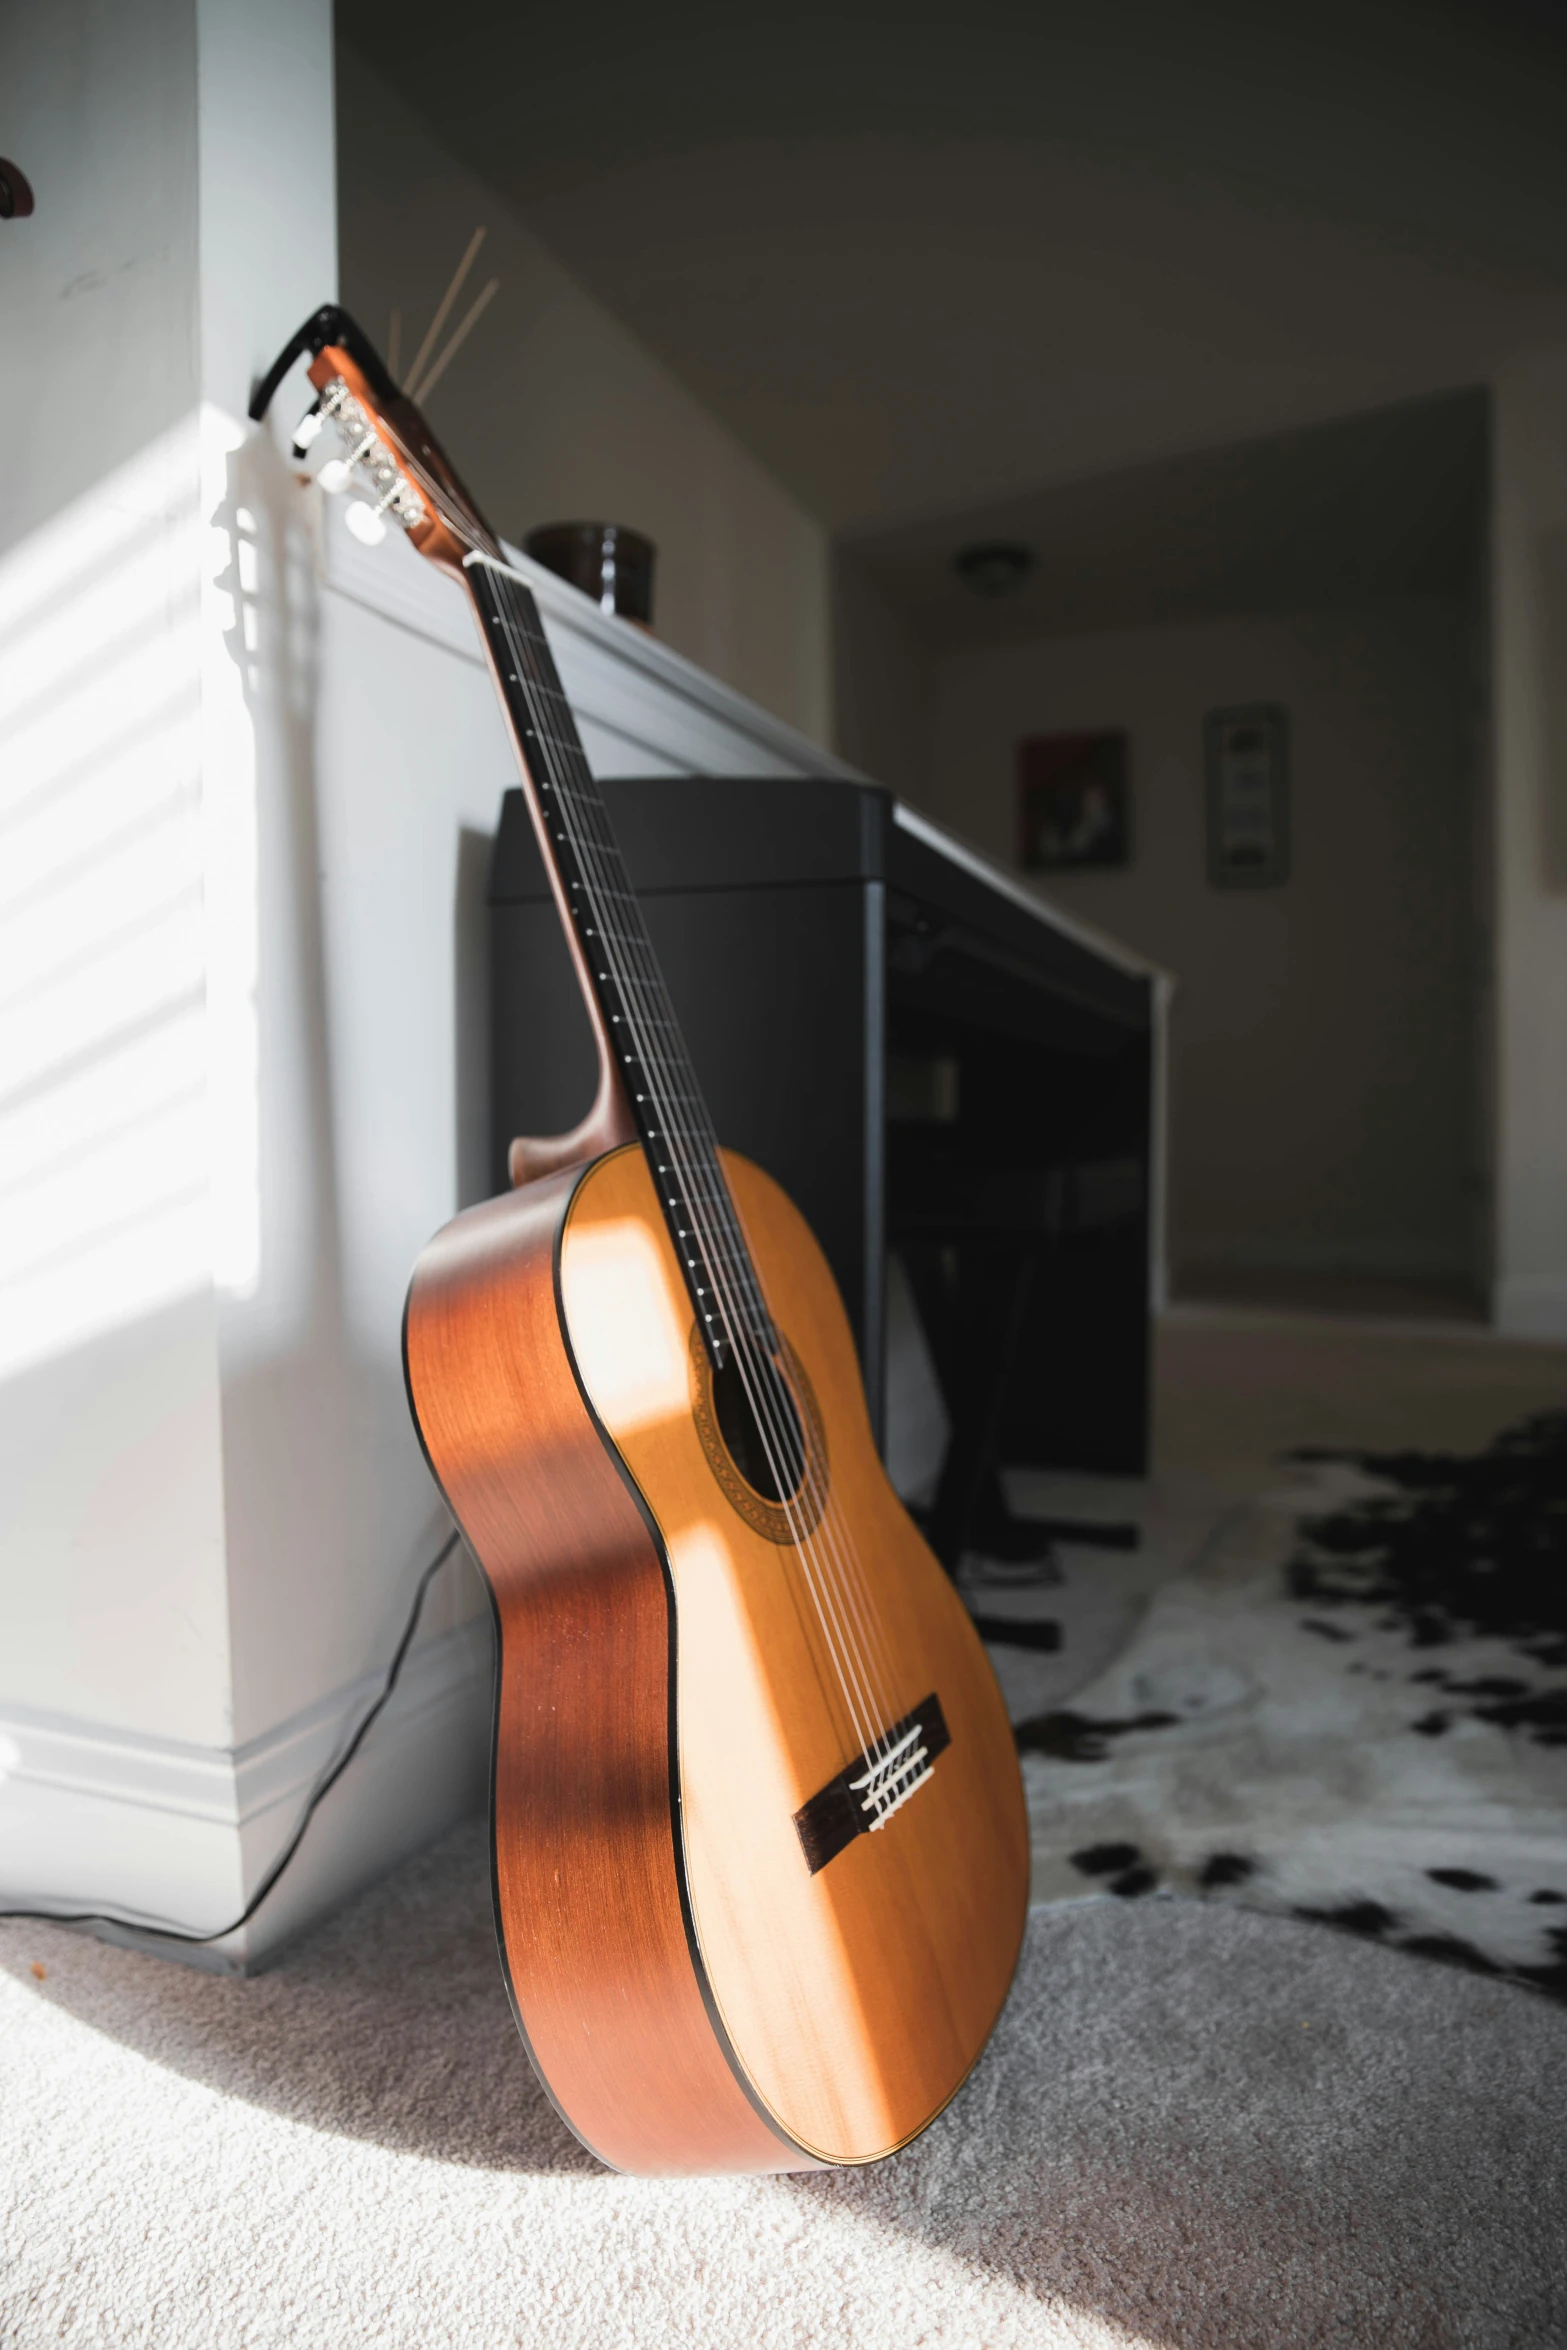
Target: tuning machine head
x=365 y=522
x=367 y=456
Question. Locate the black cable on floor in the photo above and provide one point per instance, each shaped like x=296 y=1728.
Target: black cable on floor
x=328 y=1779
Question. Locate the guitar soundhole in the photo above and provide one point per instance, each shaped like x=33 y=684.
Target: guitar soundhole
x=760 y=1427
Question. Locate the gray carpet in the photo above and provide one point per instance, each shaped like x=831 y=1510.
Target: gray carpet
x=1196 y=2126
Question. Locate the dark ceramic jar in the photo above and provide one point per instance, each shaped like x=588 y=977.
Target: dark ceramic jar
x=611 y=564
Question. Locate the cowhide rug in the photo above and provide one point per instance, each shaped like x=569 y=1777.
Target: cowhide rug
x=1352 y=1707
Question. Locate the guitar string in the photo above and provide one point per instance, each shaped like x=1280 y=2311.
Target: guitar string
x=847 y=1563
x=856 y=1581
x=871 y=1631
x=575 y=808
x=852 y=1598
x=853 y=1583
x=686 y=1145
x=852 y=1594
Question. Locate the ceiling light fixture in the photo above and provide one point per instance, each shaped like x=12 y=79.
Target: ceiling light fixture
x=994 y=567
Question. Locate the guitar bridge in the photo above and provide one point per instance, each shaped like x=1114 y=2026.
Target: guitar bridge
x=868 y=1790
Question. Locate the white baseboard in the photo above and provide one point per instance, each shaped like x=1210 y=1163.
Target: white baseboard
x=1531 y=1306
x=160 y=1830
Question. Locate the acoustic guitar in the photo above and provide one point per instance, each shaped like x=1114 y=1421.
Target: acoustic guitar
x=760 y=1856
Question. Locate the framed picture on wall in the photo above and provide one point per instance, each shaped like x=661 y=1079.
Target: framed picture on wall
x=1247 y=761
x=1074 y=802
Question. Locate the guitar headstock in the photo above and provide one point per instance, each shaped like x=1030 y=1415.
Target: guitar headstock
x=385 y=451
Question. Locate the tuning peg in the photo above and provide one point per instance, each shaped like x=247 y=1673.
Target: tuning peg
x=335 y=475
x=311 y=426
x=365 y=523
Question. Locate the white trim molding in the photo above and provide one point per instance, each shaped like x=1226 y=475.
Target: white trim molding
x=154 y=1829
x=642 y=709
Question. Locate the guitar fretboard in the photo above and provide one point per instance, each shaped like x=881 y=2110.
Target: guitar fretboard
x=655 y=1067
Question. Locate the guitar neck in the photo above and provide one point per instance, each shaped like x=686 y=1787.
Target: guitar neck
x=637 y=1018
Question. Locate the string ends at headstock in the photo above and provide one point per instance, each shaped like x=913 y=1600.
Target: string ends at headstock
x=387 y=449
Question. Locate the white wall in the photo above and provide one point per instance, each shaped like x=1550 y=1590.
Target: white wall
x=99 y=354
x=1324 y=1059
x=553 y=412
x=883 y=684
x=246 y=773
x=162 y=262
x=111 y=1564
x=154 y=1034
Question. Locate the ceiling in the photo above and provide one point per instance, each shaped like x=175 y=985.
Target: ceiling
x=1384 y=505
x=940 y=262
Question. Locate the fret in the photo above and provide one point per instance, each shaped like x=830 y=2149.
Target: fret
x=609 y=894
x=663 y=1020
x=543 y=734
x=641 y=984
x=732 y=1282
x=612 y=875
x=666 y=1101
x=606 y=895
x=725 y=1248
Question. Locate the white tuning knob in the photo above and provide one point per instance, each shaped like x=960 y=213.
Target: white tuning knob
x=335 y=475
x=311 y=426
x=365 y=523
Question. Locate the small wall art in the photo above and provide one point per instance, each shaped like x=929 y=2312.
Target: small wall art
x=1074 y=802
x=1247 y=759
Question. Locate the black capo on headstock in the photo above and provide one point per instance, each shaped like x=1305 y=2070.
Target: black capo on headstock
x=440 y=490
x=329 y=324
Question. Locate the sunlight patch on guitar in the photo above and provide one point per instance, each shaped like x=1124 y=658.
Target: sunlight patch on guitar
x=628 y=1335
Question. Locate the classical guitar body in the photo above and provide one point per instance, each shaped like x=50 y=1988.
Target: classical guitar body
x=760 y=1853
x=694 y=1995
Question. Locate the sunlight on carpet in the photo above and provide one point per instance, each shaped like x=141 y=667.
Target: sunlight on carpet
x=1195 y=2128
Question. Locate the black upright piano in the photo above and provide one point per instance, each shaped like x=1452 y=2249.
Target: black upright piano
x=928 y=1059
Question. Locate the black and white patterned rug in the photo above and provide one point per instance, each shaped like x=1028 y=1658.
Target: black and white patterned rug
x=1351 y=1706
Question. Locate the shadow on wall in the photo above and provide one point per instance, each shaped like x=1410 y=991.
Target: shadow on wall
x=316 y=1501
x=476 y=1152
x=330 y=1511
x=1553 y=671
x=284 y=1348
x=211 y=1502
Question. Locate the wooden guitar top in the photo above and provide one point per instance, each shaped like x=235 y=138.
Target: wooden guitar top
x=694 y=1996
